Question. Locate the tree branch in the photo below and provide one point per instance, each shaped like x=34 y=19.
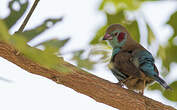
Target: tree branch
x=99 y=89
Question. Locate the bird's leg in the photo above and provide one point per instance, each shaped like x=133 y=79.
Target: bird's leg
x=120 y=83
x=144 y=85
x=141 y=92
x=123 y=81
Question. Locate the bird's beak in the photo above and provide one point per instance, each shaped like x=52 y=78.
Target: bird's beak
x=107 y=37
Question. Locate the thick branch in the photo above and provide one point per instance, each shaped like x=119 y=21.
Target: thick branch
x=99 y=89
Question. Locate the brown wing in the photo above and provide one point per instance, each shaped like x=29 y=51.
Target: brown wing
x=122 y=61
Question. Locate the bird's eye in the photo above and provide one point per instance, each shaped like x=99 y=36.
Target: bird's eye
x=116 y=33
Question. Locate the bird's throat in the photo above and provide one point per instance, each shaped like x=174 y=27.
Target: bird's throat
x=115 y=51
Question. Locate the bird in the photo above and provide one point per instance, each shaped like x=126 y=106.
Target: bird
x=130 y=62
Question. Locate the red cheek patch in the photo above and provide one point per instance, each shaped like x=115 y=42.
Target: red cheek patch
x=121 y=36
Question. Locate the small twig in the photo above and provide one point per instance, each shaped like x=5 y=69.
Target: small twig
x=28 y=16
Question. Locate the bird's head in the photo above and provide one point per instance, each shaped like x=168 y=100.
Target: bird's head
x=116 y=35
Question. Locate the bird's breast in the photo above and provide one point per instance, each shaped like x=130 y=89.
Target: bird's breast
x=135 y=62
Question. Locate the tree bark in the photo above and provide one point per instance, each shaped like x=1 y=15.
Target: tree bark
x=99 y=89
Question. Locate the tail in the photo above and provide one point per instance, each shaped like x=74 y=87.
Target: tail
x=162 y=82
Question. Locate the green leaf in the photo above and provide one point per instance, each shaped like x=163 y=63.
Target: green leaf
x=155 y=86
x=53 y=45
x=151 y=36
x=46 y=59
x=118 y=17
x=172 y=22
x=30 y=34
x=133 y=29
x=86 y=63
x=122 y=4
x=168 y=54
x=171 y=94
x=15 y=15
x=83 y=62
x=4 y=35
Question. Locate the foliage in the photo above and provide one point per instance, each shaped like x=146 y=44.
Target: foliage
x=83 y=58
x=44 y=58
x=30 y=34
x=172 y=22
x=15 y=15
x=169 y=94
x=151 y=36
x=168 y=52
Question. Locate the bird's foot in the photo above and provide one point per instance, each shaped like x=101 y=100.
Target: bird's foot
x=120 y=84
x=141 y=92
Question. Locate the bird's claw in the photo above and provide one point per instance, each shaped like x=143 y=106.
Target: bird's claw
x=120 y=83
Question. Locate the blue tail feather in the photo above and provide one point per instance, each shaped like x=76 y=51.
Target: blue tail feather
x=162 y=82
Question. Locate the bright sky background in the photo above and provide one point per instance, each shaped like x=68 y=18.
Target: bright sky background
x=20 y=90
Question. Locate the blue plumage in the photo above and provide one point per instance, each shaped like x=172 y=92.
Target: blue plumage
x=145 y=62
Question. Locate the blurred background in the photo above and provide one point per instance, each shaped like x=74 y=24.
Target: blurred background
x=73 y=30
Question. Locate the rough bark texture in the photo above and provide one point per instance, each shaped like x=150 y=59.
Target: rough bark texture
x=99 y=89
